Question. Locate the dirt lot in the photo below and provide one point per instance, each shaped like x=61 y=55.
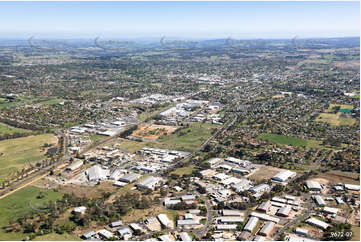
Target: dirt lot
x=265 y=172
x=340 y=177
x=153 y=131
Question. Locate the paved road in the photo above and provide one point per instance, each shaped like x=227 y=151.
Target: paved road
x=205 y=229
x=299 y=219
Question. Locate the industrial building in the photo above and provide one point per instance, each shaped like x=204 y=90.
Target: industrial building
x=130 y=177
x=230 y=219
x=96 y=173
x=313 y=185
x=187 y=222
x=317 y=223
x=75 y=165
x=164 y=220
x=241 y=186
x=330 y=210
x=105 y=234
x=184 y=236
x=251 y=224
x=319 y=200
x=267 y=228
x=259 y=188
x=79 y=210
x=352 y=187
x=227 y=212
x=115 y=174
x=301 y=231
x=265 y=217
x=116 y=224
x=214 y=162
x=284 y=211
x=226 y=226
x=264 y=207
x=148 y=183
x=284 y=176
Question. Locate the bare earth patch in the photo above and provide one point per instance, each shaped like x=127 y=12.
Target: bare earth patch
x=153 y=131
x=265 y=172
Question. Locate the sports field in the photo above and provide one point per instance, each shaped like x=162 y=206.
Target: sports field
x=286 y=140
x=14 y=153
x=335 y=119
x=342 y=106
x=21 y=203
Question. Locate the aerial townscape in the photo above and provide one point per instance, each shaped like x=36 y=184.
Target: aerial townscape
x=209 y=140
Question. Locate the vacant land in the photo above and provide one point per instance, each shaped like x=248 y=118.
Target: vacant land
x=14 y=153
x=19 y=204
x=7 y=129
x=57 y=237
x=286 y=140
x=355 y=233
x=188 y=139
x=265 y=172
x=340 y=177
x=187 y=170
x=278 y=96
x=131 y=146
x=153 y=131
x=139 y=214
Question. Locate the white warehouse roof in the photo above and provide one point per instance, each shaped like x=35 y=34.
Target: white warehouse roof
x=313 y=185
x=318 y=223
x=251 y=224
x=284 y=175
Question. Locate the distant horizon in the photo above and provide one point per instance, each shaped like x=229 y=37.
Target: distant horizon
x=145 y=38
x=190 y=20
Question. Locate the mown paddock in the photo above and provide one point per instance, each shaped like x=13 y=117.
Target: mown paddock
x=188 y=139
x=15 y=153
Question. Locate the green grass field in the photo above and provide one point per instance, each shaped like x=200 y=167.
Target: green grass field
x=96 y=137
x=192 y=138
x=187 y=170
x=14 y=153
x=19 y=204
x=52 y=101
x=7 y=129
x=286 y=140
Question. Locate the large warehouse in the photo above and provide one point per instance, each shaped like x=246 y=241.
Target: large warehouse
x=284 y=176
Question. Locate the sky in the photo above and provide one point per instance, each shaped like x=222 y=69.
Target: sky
x=208 y=20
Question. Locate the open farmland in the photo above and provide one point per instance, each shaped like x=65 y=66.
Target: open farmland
x=7 y=129
x=19 y=204
x=14 y=153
